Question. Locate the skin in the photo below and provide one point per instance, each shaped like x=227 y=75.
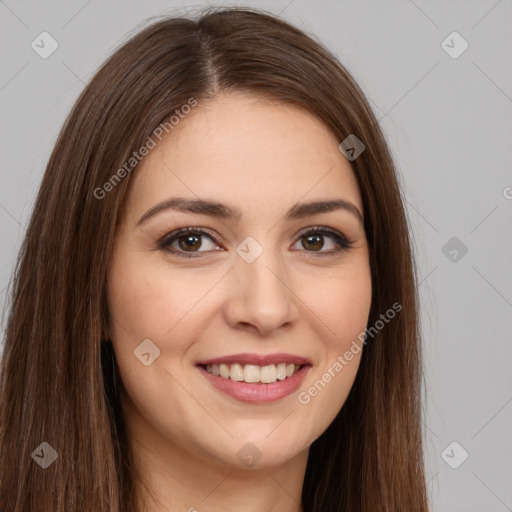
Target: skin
x=185 y=434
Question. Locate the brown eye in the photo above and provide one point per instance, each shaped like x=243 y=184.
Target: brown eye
x=187 y=241
x=314 y=240
x=192 y=242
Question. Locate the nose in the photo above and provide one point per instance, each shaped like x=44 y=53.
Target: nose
x=261 y=297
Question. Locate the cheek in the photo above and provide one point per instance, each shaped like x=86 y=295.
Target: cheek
x=342 y=303
x=135 y=301
x=341 y=307
x=144 y=298
x=147 y=301
x=349 y=312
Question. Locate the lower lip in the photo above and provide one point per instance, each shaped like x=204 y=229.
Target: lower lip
x=257 y=393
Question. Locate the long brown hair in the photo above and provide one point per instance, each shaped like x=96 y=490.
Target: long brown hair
x=58 y=380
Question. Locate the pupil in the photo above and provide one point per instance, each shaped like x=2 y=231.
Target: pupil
x=187 y=244
x=318 y=239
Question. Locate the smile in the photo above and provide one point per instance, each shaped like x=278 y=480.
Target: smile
x=257 y=392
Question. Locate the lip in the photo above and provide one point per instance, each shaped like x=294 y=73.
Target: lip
x=256 y=393
x=257 y=359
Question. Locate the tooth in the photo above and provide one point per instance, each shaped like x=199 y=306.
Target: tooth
x=224 y=371
x=281 y=371
x=251 y=373
x=236 y=372
x=268 y=374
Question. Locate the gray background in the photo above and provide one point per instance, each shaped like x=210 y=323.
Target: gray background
x=448 y=123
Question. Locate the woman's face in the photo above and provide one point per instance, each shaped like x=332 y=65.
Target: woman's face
x=255 y=294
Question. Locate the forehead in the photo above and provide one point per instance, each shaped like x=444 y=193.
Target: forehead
x=245 y=151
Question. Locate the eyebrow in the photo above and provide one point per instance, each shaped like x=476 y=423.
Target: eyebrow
x=222 y=211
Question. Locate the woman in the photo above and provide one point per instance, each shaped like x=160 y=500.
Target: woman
x=214 y=307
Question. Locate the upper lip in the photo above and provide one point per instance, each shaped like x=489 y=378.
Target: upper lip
x=257 y=359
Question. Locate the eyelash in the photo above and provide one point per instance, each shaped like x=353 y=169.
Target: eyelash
x=165 y=242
